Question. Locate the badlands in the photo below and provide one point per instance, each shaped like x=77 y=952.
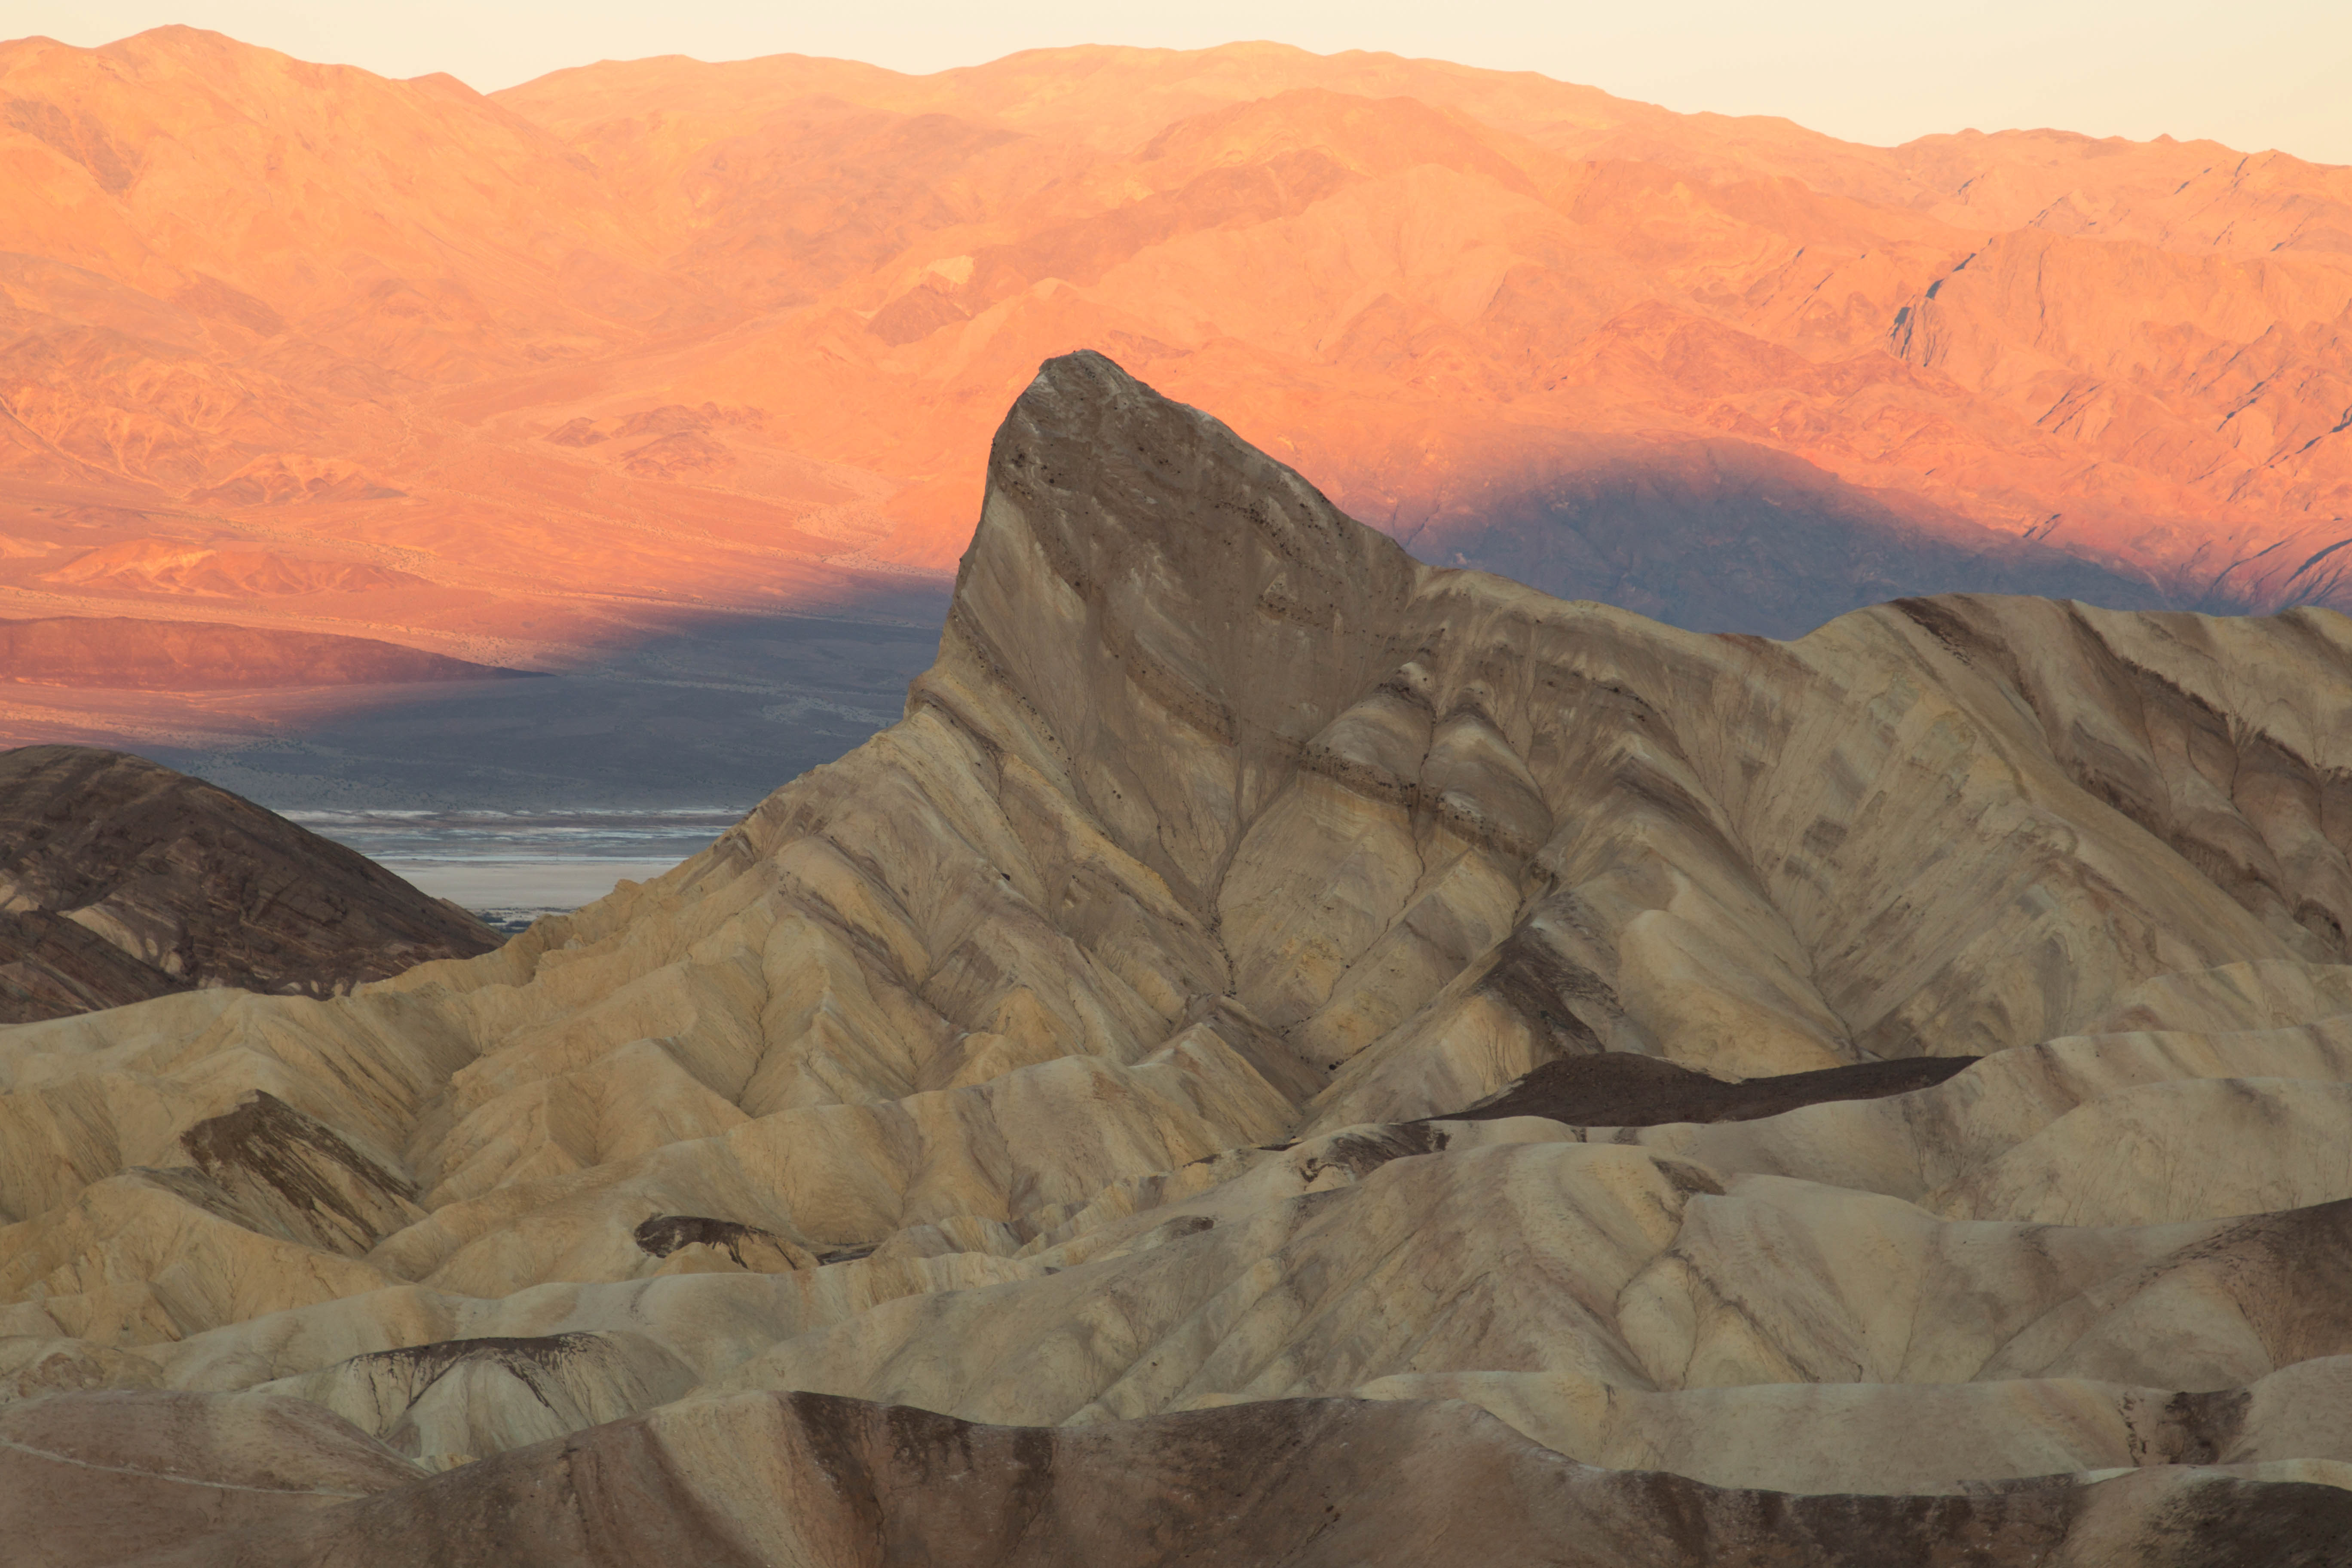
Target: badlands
x=660 y=376
x=121 y=880
x=1287 y=1054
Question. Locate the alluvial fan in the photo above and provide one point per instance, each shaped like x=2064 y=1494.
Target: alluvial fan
x=1287 y=1054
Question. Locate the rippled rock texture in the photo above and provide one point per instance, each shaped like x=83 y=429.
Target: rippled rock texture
x=121 y=879
x=1289 y=1053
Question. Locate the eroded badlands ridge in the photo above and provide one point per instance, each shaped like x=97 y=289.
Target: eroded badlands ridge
x=121 y=879
x=1084 y=1052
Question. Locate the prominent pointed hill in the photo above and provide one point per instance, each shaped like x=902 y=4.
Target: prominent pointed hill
x=646 y=346
x=1086 y=1051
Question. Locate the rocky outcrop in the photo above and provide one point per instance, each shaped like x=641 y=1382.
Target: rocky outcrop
x=1278 y=1017
x=121 y=880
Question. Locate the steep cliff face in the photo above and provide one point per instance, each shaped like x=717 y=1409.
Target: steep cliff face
x=121 y=879
x=1201 y=1001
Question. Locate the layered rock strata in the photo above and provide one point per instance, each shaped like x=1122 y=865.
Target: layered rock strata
x=121 y=880
x=1315 y=1057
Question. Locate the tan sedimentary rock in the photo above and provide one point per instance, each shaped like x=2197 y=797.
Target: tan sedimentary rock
x=1181 y=1012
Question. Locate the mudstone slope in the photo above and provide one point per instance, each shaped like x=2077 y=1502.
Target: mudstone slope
x=1287 y=1052
x=644 y=349
x=121 y=879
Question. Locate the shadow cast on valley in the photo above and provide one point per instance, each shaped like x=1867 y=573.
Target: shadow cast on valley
x=714 y=716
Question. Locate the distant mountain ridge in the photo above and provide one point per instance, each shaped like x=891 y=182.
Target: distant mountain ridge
x=530 y=378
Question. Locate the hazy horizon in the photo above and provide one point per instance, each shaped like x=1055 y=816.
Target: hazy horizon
x=1870 y=74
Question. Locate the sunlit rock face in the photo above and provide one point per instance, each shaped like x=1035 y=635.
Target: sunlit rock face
x=1288 y=1053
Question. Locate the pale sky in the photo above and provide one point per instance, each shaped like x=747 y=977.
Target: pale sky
x=2256 y=74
